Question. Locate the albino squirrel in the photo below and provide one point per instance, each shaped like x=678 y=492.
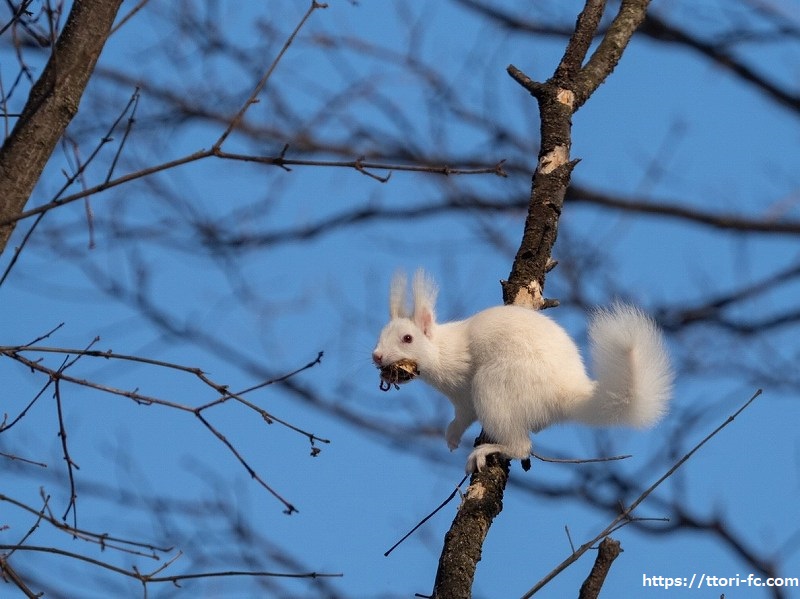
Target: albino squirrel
x=516 y=371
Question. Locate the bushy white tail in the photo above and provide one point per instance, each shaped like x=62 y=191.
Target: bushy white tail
x=630 y=363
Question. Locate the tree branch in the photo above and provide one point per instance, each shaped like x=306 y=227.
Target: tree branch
x=607 y=552
x=671 y=209
x=51 y=105
x=625 y=515
x=558 y=99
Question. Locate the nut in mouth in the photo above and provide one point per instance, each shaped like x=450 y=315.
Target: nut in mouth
x=395 y=374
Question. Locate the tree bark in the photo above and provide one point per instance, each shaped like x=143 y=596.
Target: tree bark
x=607 y=552
x=463 y=542
x=51 y=105
x=573 y=82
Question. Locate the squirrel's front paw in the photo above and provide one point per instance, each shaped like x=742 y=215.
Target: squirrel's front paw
x=452 y=436
x=452 y=443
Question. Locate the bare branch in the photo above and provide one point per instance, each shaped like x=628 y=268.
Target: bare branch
x=607 y=552
x=657 y=28
x=260 y=85
x=482 y=502
x=56 y=376
x=449 y=498
x=580 y=40
x=661 y=30
x=579 y=460
x=103 y=539
x=716 y=220
x=279 y=161
x=608 y=53
x=150 y=578
x=558 y=99
x=8 y=572
x=625 y=515
x=52 y=104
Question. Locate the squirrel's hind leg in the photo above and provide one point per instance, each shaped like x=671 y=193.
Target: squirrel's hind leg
x=503 y=408
x=476 y=461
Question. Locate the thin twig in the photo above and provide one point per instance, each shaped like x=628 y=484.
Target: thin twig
x=59 y=375
x=260 y=85
x=458 y=486
x=18 y=458
x=128 y=17
x=428 y=517
x=139 y=398
x=79 y=174
x=21 y=415
x=624 y=516
x=45 y=336
x=146 y=578
x=361 y=165
x=579 y=460
x=20 y=10
x=11 y=351
x=133 y=104
x=290 y=509
x=85 y=194
x=103 y=539
x=569 y=538
x=39 y=516
x=267 y=416
x=495 y=169
x=62 y=433
x=18 y=249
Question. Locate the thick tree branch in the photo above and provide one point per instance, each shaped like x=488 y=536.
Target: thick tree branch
x=482 y=502
x=605 y=58
x=717 y=50
x=607 y=552
x=580 y=40
x=558 y=98
x=52 y=104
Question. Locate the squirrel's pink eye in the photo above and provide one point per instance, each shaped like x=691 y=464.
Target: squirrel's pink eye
x=407 y=339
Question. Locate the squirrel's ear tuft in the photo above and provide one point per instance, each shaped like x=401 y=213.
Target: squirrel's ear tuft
x=397 y=296
x=424 y=292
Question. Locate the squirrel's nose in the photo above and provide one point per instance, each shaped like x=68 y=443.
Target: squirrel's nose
x=377 y=357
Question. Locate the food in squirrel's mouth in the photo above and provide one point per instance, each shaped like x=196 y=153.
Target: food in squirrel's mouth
x=401 y=371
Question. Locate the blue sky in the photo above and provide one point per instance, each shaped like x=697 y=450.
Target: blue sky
x=728 y=149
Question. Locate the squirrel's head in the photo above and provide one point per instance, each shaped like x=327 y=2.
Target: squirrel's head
x=408 y=339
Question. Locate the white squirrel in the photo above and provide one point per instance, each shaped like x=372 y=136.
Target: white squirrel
x=516 y=371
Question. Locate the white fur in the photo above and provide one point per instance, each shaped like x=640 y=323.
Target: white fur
x=515 y=370
x=397 y=297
